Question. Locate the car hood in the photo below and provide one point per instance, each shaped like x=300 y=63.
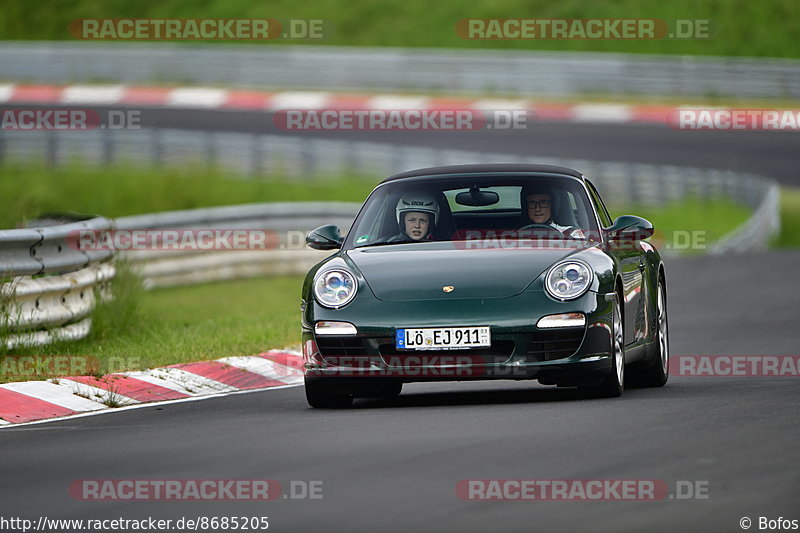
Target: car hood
x=420 y=271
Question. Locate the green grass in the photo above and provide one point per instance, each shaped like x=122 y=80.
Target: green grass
x=790 y=219
x=739 y=27
x=145 y=330
x=27 y=191
x=690 y=225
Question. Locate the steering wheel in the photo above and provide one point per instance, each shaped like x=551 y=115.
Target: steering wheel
x=539 y=226
x=566 y=232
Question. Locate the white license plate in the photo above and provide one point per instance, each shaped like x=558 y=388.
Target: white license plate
x=438 y=338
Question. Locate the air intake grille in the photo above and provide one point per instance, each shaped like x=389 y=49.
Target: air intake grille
x=548 y=345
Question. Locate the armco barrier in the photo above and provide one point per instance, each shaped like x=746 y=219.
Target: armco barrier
x=326 y=68
x=47 y=288
x=287 y=221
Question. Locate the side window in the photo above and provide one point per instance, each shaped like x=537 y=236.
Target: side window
x=602 y=212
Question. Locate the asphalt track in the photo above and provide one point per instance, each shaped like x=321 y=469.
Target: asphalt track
x=394 y=465
x=774 y=154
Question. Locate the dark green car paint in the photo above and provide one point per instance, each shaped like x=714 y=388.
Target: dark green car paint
x=503 y=289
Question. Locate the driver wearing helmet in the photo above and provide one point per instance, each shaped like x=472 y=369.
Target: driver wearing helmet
x=417 y=214
x=537 y=203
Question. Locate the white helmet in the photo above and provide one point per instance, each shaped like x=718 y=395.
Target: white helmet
x=416 y=201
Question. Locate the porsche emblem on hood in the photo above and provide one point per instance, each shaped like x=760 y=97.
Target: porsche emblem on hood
x=448 y=288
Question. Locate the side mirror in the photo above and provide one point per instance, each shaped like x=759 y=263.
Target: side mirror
x=324 y=238
x=630 y=228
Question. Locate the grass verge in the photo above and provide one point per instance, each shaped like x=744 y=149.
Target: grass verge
x=691 y=225
x=738 y=27
x=140 y=330
x=789 y=236
x=27 y=190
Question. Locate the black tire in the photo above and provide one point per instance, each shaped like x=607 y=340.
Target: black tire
x=656 y=373
x=392 y=390
x=613 y=384
x=321 y=399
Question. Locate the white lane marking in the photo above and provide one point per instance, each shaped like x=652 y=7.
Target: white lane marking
x=86 y=94
x=299 y=100
x=11 y=426
x=398 y=102
x=55 y=394
x=196 y=97
x=601 y=113
x=96 y=393
x=265 y=367
x=3 y=422
x=181 y=381
x=6 y=92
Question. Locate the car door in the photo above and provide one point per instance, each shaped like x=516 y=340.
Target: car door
x=631 y=257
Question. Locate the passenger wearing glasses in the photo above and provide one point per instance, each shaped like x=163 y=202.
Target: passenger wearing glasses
x=537 y=204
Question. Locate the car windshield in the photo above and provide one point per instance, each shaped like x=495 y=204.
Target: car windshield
x=470 y=207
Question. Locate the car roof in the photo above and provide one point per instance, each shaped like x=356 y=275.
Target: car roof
x=505 y=168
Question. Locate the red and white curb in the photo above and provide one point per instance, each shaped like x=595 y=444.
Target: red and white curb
x=31 y=401
x=215 y=98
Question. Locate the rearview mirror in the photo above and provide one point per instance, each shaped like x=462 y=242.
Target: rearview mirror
x=324 y=238
x=477 y=198
x=630 y=228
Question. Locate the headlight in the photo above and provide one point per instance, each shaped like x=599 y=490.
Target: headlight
x=568 y=280
x=335 y=287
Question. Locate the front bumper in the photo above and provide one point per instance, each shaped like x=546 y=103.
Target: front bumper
x=520 y=350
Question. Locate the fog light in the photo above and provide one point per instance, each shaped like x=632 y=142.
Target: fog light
x=564 y=320
x=334 y=328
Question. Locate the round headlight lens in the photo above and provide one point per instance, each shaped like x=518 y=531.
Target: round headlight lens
x=335 y=287
x=568 y=280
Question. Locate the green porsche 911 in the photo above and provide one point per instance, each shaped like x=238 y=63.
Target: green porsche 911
x=497 y=271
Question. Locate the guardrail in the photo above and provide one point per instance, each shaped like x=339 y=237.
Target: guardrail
x=511 y=72
x=287 y=222
x=48 y=289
